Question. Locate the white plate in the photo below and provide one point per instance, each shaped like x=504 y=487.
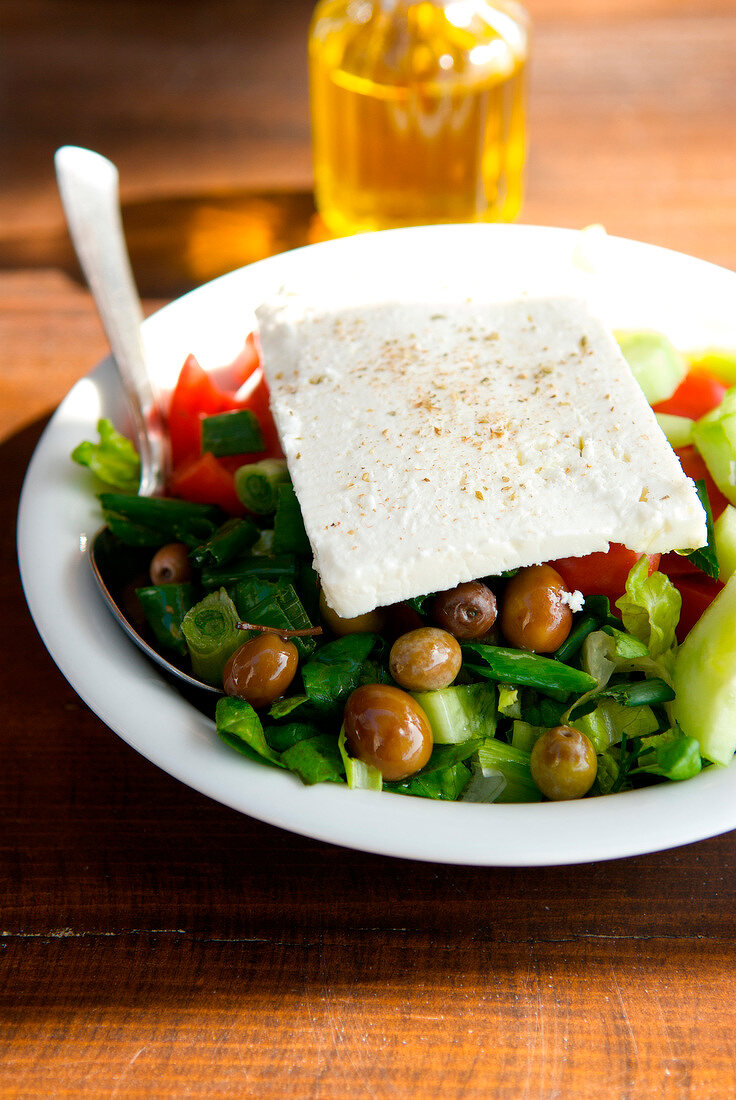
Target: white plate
x=631 y=283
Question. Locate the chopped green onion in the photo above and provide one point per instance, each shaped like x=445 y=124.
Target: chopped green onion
x=212 y=635
x=257 y=483
x=153 y=521
x=528 y=669
x=232 y=433
x=227 y=543
x=165 y=606
x=276 y=567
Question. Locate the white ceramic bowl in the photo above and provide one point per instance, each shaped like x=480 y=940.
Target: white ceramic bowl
x=631 y=284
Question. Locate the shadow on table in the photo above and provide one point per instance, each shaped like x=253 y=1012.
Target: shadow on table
x=179 y=242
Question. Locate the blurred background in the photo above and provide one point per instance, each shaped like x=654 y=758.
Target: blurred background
x=203 y=105
x=192 y=97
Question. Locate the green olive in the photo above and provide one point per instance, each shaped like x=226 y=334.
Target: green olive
x=371 y=622
x=534 y=613
x=385 y=727
x=564 y=763
x=170 y=564
x=425 y=659
x=261 y=669
x=467 y=611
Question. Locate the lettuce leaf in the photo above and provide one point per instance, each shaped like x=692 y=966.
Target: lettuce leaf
x=113 y=459
x=650 y=609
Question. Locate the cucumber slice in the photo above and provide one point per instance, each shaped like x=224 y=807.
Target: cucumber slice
x=656 y=364
x=678 y=429
x=724 y=529
x=714 y=435
x=705 y=679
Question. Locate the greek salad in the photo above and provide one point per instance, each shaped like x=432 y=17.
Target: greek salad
x=568 y=679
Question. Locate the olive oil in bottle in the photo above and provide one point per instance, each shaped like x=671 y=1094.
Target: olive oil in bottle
x=418 y=111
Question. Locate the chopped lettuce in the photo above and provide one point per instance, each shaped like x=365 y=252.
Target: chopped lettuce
x=671 y=756
x=113 y=459
x=650 y=609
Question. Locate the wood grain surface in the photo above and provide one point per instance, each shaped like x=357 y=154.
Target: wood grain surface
x=156 y=944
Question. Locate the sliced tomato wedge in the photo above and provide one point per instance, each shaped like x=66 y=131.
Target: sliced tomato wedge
x=694 y=466
x=195 y=396
x=204 y=480
x=601 y=573
x=198 y=394
x=698 y=593
x=696 y=395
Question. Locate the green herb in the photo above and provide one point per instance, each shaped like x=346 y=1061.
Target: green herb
x=445 y=785
x=232 y=433
x=282 y=707
x=113 y=459
x=316 y=760
x=706 y=557
x=283 y=737
x=239 y=725
x=336 y=670
x=283 y=610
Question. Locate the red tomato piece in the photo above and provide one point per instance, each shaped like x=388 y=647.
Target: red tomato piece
x=675 y=565
x=696 y=395
x=697 y=594
x=195 y=396
x=694 y=466
x=602 y=573
x=205 y=480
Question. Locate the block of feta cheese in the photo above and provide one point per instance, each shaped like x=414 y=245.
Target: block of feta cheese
x=436 y=442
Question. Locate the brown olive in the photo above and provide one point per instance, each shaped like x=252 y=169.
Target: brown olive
x=467 y=611
x=564 y=763
x=534 y=613
x=385 y=727
x=261 y=669
x=425 y=659
x=170 y=564
x=370 y=622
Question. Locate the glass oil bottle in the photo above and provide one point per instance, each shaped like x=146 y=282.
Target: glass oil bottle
x=418 y=111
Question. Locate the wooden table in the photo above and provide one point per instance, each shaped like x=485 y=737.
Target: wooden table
x=156 y=944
